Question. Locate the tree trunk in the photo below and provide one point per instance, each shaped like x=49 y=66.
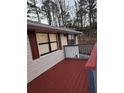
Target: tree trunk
x=81 y=22
x=49 y=14
x=38 y=17
x=60 y=4
x=90 y=18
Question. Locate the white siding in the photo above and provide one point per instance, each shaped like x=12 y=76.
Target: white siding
x=76 y=39
x=40 y=65
x=63 y=39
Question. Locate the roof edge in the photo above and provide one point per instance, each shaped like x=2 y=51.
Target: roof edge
x=62 y=29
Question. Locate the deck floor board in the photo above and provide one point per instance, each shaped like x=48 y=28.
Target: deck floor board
x=68 y=76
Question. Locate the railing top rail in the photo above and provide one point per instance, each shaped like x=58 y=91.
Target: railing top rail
x=87 y=44
x=76 y=45
x=70 y=45
x=91 y=63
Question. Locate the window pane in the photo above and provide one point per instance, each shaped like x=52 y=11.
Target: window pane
x=52 y=37
x=42 y=38
x=53 y=46
x=69 y=36
x=72 y=36
x=44 y=48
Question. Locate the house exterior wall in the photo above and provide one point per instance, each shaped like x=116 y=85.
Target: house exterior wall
x=76 y=39
x=63 y=40
x=42 y=64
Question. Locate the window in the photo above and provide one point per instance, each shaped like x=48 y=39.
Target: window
x=53 y=46
x=42 y=38
x=53 y=41
x=47 y=43
x=71 y=39
x=52 y=37
x=44 y=48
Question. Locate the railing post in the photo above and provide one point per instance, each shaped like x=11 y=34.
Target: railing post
x=91 y=70
x=64 y=51
x=91 y=81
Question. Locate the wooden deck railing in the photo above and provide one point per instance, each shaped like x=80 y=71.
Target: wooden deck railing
x=85 y=48
x=91 y=70
x=71 y=51
x=74 y=51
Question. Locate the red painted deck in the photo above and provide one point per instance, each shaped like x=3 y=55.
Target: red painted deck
x=68 y=76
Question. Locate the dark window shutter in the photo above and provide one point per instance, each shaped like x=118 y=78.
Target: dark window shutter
x=59 y=41
x=67 y=39
x=75 y=39
x=33 y=44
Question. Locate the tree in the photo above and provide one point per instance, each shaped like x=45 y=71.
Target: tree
x=64 y=12
x=50 y=9
x=58 y=13
x=55 y=13
x=47 y=11
x=33 y=9
x=81 y=12
x=92 y=11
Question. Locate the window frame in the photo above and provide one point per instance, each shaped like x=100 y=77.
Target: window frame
x=49 y=42
x=72 y=39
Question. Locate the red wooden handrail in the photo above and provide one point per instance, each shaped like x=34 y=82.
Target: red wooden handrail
x=91 y=63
